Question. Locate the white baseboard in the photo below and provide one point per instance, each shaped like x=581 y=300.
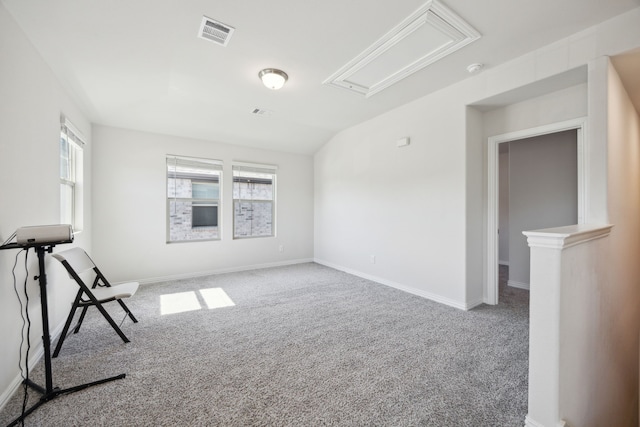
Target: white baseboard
x=529 y=422
x=473 y=304
x=222 y=271
x=418 y=292
x=519 y=285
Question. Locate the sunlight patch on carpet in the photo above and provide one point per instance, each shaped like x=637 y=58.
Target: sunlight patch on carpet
x=188 y=301
x=179 y=303
x=216 y=298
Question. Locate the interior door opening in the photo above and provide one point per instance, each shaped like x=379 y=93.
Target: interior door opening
x=538 y=189
x=531 y=201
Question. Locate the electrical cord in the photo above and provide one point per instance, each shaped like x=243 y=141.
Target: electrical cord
x=26 y=357
x=6 y=242
x=26 y=323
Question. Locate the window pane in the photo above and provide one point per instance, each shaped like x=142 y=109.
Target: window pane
x=205 y=190
x=179 y=187
x=181 y=221
x=252 y=186
x=65 y=159
x=253 y=219
x=204 y=216
x=252 y=190
x=66 y=204
x=181 y=175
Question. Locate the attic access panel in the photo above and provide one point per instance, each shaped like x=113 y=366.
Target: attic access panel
x=428 y=35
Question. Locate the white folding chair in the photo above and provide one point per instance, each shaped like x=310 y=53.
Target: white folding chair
x=77 y=261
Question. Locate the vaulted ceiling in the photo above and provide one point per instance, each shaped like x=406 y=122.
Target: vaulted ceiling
x=141 y=65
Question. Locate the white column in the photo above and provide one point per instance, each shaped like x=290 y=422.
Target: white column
x=555 y=273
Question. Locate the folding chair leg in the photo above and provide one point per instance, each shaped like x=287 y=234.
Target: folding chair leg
x=67 y=324
x=126 y=309
x=81 y=319
x=111 y=322
x=63 y=335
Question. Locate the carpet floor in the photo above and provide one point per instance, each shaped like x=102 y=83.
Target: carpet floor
x=302 y=345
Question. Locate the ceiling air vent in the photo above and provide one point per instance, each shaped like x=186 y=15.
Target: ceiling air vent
x=215 y=31
x=261 y=112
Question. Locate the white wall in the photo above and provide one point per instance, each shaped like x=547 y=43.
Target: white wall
x=558 y=106
x=609 y=396
x=32 y=101
x=474 y=201
x=405 y=206
x=130 y=209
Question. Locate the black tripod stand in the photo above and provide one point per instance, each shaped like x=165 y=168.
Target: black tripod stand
x=49 y=392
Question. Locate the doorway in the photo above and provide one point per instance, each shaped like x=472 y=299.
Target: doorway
x=492 y=270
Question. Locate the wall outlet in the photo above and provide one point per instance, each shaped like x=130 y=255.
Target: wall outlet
x=281 y=248
x=373 y=259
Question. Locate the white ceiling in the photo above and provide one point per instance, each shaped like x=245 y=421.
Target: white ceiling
x=140 y=65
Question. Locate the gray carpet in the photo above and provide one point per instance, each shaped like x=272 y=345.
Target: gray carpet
x=304 y=345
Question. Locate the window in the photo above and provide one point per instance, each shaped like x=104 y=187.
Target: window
x=253 y=200
x=71 y=145
x=193 y=199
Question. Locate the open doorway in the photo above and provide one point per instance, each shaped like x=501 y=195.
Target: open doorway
x=538 y=188
x=528 y=204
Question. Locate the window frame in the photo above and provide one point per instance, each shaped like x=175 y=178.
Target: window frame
x=254 y=168
x=195 y=175
x=73 y=139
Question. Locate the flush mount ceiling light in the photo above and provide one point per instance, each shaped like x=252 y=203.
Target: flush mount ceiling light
x=273 y=78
